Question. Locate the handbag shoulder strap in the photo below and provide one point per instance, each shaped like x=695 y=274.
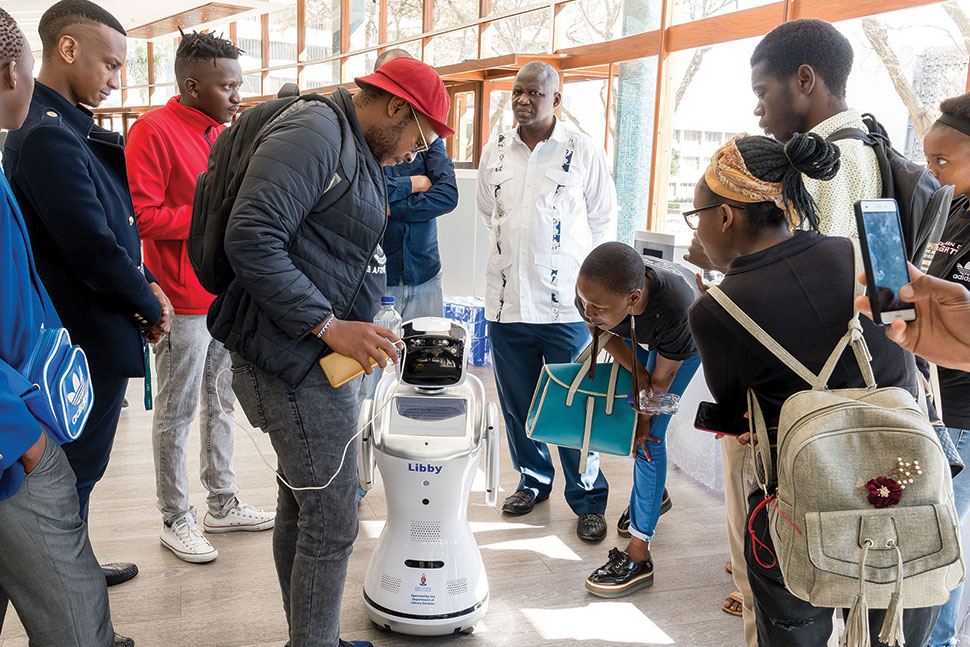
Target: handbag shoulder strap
x=588 y=359
x=852 y=337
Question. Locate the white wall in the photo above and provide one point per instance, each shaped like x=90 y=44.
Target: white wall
x=463 y=242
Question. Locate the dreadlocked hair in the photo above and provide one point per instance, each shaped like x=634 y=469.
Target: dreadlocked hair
x=773 y=161
x=11 y=39
x=199 y=46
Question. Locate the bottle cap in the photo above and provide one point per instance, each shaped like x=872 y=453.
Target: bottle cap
x=387 y=301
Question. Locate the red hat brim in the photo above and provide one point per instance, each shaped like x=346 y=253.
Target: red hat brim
x=389 y=85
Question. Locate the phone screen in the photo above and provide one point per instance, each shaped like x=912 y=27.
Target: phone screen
x=710 y=417
x=887 y=255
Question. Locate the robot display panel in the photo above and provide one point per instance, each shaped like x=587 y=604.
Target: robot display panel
x=440 y=417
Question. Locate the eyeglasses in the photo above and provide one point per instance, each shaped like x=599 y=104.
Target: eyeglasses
x=690 y=217
x=423 y=146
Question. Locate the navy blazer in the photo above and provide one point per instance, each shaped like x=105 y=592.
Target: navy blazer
x=411 y=239
x=71 y=181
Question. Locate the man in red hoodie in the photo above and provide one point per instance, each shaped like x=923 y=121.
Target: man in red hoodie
x=167 y=149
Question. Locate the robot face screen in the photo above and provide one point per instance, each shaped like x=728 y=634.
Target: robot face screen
x=431 y=416
x=433 y=360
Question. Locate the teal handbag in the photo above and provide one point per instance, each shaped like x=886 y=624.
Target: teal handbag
x=584 y=406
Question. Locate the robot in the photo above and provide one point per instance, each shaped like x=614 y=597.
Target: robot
x=426 y=576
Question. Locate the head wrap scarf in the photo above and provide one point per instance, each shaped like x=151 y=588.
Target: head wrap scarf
x=728 y=177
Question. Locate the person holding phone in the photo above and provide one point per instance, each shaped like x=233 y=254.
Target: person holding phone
x=947 y=149
x=799 y=288
x=643 y=301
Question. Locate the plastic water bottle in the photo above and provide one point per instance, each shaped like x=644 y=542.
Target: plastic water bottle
x=388 y=317
x=657 y=403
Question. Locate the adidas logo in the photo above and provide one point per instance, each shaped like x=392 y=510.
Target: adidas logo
x=75 y=396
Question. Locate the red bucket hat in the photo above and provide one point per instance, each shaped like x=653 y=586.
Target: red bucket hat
x=416 y=83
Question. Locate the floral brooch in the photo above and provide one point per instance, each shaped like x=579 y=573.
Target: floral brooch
x=884 y=491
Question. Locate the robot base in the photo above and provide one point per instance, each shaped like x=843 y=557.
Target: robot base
x=415 y=625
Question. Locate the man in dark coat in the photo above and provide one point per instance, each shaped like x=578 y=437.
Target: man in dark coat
x=308 y=281
x=70 y=178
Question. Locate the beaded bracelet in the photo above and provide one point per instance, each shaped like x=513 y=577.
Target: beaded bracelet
x=325 y=326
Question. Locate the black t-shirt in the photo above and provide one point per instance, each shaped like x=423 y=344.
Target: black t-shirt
x=372 y=288
x=663 y=324
x=801 y=292
x=952 y=262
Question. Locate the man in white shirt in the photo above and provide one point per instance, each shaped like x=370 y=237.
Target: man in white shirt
x=547 y=198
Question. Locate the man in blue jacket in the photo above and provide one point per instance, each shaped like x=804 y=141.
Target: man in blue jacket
x=70 y=179
x=418 y=192
x=47 y=567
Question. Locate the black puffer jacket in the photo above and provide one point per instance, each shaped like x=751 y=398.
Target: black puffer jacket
x=295 y=264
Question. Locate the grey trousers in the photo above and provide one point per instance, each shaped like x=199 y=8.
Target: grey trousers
x=47 y=568
x=187 y=365
x=309 y=426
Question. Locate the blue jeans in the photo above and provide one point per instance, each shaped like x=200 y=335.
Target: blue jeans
x=944 y=633
x=650 y=477
x=518 y=353
x=188 y=362
x=309 y=426
x=423 y=300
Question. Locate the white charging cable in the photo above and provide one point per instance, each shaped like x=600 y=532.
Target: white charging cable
x=343 y=456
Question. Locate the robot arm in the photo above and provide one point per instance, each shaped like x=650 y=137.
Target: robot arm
x=365 y=455
x=491 y=454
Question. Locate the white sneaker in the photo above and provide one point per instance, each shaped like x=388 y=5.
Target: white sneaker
x=185 y=539
x=240 y=517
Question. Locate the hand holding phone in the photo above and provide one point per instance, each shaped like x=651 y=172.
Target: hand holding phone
x=884 y=255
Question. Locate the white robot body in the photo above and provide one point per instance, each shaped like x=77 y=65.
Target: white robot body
x=426 y=576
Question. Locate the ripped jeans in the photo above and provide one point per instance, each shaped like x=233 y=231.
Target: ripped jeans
x=786 y=621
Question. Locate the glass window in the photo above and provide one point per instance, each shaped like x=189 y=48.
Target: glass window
x=137 y=97
x=163 y=93
x=583 y=22
x=500 y=120
x=249 y=36
x=584 y=108
x=464 y=138
x=136 y=68
x=454 y=12
x=252 y=85
x=525 y=34
x=359 y=65
x=364 y=23
x=321 y=75
x=454 y=47
x=405 y=20
x=905 y=63
x=722 y=71
x=277 y=78
x=282 y=35
x=164 y=52
x=688 y=10
x=412 y=47
x=322 y=29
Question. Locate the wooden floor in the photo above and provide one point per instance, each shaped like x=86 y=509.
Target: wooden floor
x=536 y=564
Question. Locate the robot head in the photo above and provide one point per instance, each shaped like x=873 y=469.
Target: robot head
x=434 y=353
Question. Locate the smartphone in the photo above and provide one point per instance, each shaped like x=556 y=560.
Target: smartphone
x=711 y=417
x=884 y=254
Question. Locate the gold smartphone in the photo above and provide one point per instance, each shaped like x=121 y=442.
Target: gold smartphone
x=341 y=369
